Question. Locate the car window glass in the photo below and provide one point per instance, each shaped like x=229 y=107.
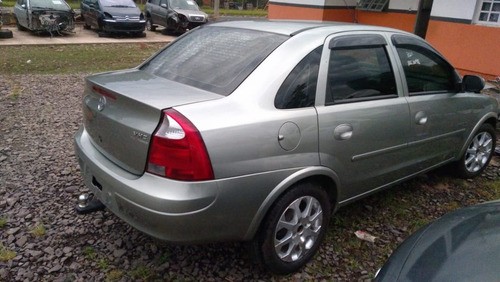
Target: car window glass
x=299 y=88
x=359 y=74
x=215 y=59
x=118 y=3
x=58 y=5
x=183 y=5
x=425 y=71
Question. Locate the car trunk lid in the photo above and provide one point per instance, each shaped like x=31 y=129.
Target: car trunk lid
x=122 y=110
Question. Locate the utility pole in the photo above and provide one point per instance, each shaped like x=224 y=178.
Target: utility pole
x=423 y=17
x=216 y=9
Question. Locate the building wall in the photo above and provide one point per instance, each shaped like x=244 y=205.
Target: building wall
x=471 y=48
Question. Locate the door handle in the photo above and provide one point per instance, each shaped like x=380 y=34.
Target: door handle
x=343 y=132
x=421 y=118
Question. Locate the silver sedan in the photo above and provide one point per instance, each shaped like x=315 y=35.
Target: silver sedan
x=259 y=131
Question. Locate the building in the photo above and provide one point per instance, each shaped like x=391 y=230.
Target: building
x=467 y=32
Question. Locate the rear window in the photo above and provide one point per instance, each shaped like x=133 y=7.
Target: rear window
x=216 y=59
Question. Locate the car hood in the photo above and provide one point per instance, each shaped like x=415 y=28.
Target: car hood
x=190 y=12
x=48 y=9
x=122 y=110
x=123 y=11
x=460 y=246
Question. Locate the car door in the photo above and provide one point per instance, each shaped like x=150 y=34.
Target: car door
x=94 y=12
x=363 y=116
x=160 y=13
x=440 y=117
x=21 y=12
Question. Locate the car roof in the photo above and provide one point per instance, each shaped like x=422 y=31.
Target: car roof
x=290 y=28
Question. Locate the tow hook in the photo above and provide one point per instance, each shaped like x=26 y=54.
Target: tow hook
x=87 y=203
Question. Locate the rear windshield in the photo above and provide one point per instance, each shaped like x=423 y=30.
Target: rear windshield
x=216 y=59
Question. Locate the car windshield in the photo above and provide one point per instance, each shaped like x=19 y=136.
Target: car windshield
x=215 y=59
x=118 y=3
x=50 y=4
x=183 y=5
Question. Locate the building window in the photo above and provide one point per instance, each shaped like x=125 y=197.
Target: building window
x=373 y=5
x=489 y=12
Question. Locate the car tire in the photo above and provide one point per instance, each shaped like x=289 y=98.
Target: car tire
x=149 y=25
x=5 y=33
x=478 y=153
x=306 y=203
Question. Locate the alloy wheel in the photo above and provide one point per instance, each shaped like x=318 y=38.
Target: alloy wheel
x=479 y=152
x=298 y=228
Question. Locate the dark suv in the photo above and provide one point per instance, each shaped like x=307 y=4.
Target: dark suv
x=174 y=15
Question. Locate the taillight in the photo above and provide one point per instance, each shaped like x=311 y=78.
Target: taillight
x=177 y=150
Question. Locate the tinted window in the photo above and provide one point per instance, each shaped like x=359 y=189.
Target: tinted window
x=215 y=59
x=359 y=74
x=425 y=71
x=299 y=88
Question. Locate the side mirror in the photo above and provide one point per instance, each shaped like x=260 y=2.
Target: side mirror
x=163 y=5
x=472 y=83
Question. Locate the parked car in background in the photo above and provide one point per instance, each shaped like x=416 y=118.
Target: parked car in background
x=54 y=16
x=113 y=16
x=463 y=245
x=258 y=131
x=174 y=15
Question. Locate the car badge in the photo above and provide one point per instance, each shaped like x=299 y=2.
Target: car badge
x=101 y=104
x=126 y=18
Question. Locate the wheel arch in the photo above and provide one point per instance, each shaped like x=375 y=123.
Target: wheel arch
x=490 y=118
x=323 y=176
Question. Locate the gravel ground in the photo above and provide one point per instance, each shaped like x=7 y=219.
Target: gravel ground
x=40 y=181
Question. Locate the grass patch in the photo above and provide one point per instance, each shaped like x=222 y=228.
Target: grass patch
x=103 y=264
x=3 y=222
x=69 y=59
x=6 y=254
x=39 y=230
x=141 y=273
x=494 y=187
x=114 y=275
x=89 y=253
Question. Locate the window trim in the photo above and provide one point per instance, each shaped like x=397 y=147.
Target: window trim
x=283 y=91
x=370 y=98
x=404 y=41
x=479 y=10
x=372 y=5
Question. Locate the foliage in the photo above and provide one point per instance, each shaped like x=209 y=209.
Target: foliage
x=3 y=222
x=233 y=12
x=6 y=254
x=39 y=230
x=114 y=275
x=141 y=272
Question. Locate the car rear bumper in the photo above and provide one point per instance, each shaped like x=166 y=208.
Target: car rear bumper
x=176 y=211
